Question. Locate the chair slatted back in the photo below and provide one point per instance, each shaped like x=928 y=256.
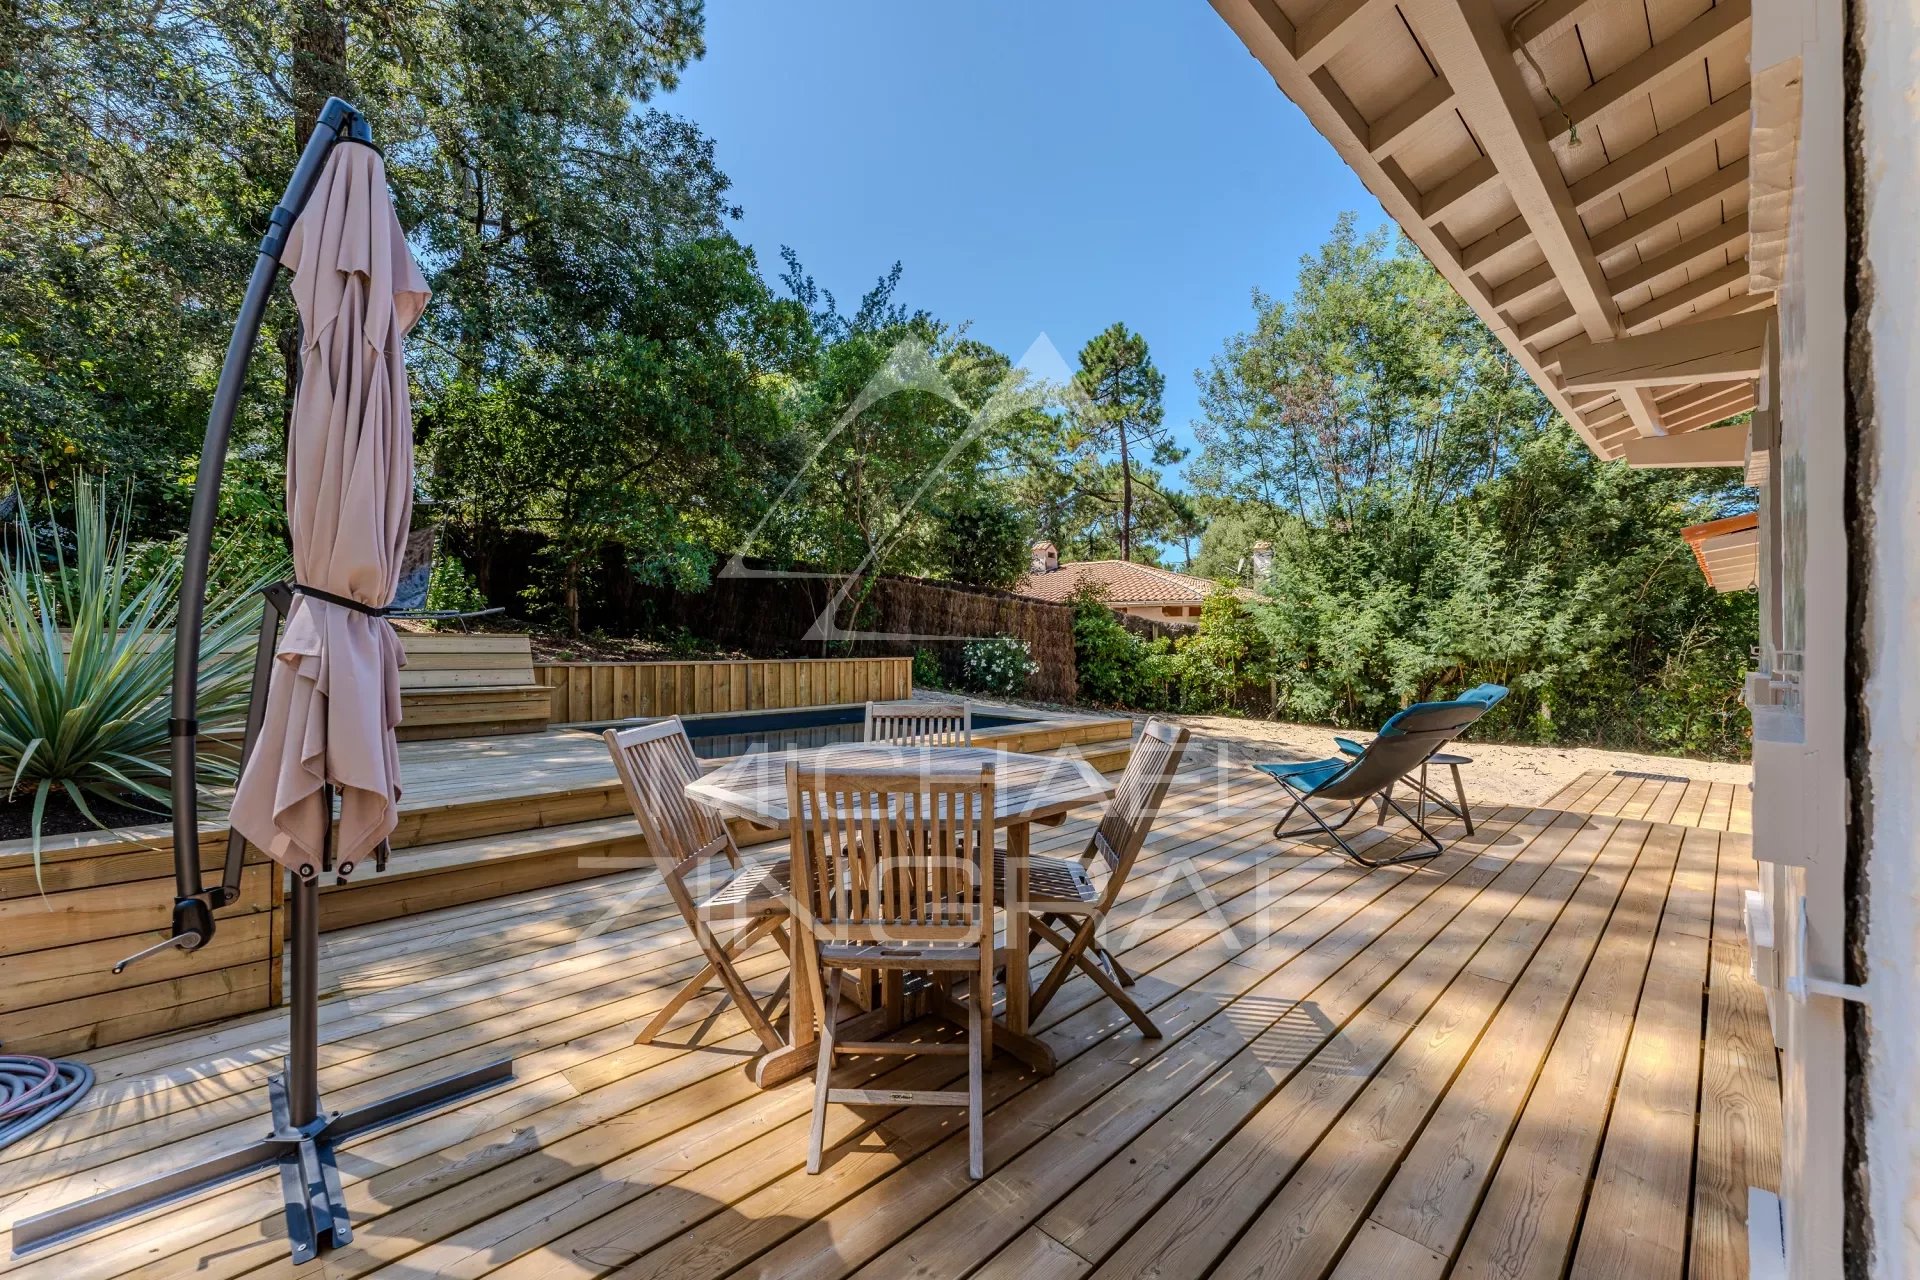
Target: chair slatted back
x=894 y=858
x=1404 y=743
x=1123 y=829
x=920 y=724
x=655 y=763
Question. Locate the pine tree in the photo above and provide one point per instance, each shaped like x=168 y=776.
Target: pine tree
x=1118 y=410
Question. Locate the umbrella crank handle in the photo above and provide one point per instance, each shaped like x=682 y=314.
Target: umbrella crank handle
x=192 y=929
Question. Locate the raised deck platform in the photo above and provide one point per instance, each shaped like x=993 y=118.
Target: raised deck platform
x=1537 y=1055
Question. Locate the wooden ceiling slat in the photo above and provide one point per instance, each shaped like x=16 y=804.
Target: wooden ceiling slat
x=1694 y=293
x=1717 y=244
x=1707 y=412
x=1548 y=21
x=1695 y=131
x=1725 y=23
x=1723 y=184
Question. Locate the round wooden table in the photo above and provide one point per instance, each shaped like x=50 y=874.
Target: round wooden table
x=1027 y=789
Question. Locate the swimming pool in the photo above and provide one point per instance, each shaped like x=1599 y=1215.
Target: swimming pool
x=735 y=733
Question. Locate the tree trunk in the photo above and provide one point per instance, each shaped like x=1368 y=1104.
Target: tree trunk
x=1126 y=499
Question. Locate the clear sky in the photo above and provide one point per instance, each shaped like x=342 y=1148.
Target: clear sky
x=1038 y=166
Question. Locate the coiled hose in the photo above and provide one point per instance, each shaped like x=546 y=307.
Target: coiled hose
x=35 y=1091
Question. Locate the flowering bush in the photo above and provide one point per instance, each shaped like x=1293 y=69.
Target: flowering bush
x=1002 y=665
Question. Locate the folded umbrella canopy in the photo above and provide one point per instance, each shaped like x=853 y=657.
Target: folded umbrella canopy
x=334 y=695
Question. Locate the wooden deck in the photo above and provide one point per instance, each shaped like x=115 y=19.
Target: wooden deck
x=1537 y=1055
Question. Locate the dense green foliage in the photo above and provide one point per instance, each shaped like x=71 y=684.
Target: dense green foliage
x=607 y=366
x=1435 y=525
x=86 y=658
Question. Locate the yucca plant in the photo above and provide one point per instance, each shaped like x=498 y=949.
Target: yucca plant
x=86 y=660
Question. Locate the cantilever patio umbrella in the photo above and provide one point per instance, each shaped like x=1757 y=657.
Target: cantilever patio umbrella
x=334 y=697
x=327 y=698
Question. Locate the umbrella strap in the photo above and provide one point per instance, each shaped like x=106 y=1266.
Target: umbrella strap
x=345 y=602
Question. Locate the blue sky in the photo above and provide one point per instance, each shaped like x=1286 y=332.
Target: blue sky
x=1048 y=166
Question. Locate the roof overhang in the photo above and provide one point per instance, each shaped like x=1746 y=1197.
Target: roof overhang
x=1577 y=169
x=1728 y=551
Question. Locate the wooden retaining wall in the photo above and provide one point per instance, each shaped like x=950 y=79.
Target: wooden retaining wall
x=588 y=691
x=106 y=898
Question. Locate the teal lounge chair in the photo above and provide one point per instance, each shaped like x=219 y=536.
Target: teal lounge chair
x=1369 y=772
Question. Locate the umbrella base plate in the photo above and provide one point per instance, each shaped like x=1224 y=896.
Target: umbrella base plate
x=316 y=1209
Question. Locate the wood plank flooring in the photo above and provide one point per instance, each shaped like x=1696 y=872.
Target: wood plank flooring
x=1537 y=1055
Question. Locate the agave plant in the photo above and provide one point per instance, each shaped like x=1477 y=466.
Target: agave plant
x=86 y=660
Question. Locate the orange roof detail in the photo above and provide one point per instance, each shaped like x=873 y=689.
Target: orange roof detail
x=1125 y=582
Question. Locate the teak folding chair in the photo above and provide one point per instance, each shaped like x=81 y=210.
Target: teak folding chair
x=892 y=872
x=1404 y=745
x=920 y=724
x=1068 y=911
x=702 y=870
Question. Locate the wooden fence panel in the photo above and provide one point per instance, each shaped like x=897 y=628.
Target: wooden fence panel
x=588 y=691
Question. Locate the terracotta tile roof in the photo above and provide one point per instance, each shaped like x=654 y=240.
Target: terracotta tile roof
x=1126 y=583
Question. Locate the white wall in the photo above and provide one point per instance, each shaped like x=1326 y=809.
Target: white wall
x=1799 y=748
x=1890 y=127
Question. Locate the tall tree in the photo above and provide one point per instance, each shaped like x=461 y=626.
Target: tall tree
x=1433 y=524
x=1118 y=411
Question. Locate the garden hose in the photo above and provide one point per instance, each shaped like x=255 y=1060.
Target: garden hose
x=35 y=1091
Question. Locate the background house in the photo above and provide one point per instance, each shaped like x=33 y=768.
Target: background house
x=1139 y=590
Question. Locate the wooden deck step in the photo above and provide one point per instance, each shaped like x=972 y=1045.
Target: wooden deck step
x=456 y=872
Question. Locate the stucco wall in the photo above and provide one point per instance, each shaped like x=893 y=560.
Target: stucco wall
x=1889 y=168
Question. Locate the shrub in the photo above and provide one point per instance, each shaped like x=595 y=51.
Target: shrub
x=1002 y=665
x=1224 y=656
x=86 y=660
x=926 y=670
x=1114 y=666
x=452 y=588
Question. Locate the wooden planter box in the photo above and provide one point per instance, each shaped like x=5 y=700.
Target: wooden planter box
x=105 y=898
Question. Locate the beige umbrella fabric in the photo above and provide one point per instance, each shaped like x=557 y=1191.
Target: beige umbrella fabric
x=334 y=696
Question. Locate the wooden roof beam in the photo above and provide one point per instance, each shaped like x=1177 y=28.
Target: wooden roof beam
x=1269 y=36
x=1510 y=234
x=1697 y=130
x=1690 y=294
x=1404 y=122
x=1729 y=180
x=1679 y=53
x=1721 y=447
x=1524 y=285
x=1332 y=27
x=1467 y=45
x=1705 y=351
x=1715 y=245
x=1551 y=320
x=1435 y=204
x=1709 y=411
x=1675 y=398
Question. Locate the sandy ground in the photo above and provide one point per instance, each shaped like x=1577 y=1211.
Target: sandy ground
x=1500 y=774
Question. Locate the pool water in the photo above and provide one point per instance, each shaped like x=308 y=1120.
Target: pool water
x=736 y=733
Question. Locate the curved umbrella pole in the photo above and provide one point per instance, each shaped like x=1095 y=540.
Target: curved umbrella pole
x=304 y=1136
